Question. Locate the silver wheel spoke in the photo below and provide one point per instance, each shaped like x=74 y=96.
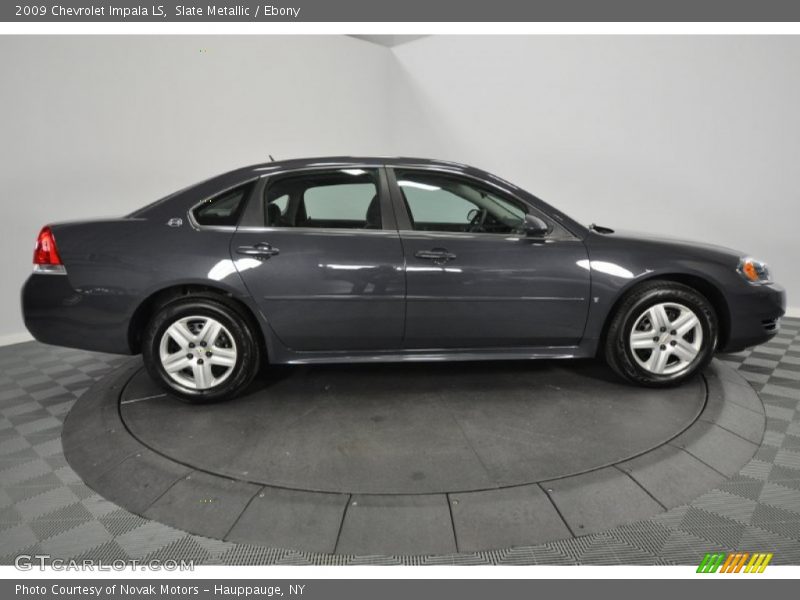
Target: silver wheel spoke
x=658 y=360
x=210 y=332
x=175 y=362
x=201 y=378
x=685 y=351
x=643 y=340
x=180 y=334
x=221 y=360
x=685 y=323
x=211 y=381
x=658 y=317
x=226 y=352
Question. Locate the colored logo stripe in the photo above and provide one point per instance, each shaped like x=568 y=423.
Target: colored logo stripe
x=734 y=562
x=758 y=563
x=711 y=562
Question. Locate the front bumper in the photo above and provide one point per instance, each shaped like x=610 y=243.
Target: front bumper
x=755 y=313
x=56 y=313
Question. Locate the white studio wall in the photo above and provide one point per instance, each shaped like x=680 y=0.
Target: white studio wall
x=100 y=125
x=694 y=136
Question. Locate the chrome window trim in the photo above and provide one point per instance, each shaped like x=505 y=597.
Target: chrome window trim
x=509 y=237
x=321 y=167
x=318 y=230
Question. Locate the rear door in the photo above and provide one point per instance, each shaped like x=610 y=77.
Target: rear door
x=474 y=280
x=325 y=263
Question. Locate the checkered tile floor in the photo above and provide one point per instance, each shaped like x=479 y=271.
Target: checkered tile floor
x=46 y=509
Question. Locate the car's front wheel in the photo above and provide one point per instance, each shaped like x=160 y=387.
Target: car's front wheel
x=661 y=334
x=201 y=349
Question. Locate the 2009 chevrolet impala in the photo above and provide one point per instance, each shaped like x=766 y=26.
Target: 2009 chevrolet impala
x=374 y=259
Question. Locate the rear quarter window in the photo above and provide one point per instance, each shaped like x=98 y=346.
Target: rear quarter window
x=223 y=209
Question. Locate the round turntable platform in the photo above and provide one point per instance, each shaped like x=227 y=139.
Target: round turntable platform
x=413 y=458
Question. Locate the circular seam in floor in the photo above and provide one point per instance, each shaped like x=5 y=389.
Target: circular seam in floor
x=338 y=430
x=722 y=438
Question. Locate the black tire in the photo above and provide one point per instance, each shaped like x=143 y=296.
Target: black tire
x=617 y=348
x=244 y=340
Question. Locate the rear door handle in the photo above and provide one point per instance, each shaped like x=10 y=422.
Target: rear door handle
x=261 y=250
x=438 y=255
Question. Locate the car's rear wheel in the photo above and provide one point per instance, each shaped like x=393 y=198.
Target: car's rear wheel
x=201 y=349
x=661 y=334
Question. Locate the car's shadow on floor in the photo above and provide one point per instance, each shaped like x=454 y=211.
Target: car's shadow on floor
x=438 y=373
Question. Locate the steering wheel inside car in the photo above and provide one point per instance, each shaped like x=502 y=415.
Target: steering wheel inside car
x=476 y=217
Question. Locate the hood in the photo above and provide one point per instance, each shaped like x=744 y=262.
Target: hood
x=667 y=243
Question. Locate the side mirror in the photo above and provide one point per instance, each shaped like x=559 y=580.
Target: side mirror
x=535 y=227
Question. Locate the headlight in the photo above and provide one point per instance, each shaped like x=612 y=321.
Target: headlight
x=754 y=271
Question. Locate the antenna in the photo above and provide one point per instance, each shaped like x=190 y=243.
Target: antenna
x=270 y=158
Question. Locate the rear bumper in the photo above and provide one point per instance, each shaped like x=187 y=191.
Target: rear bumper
x=755 y=316
x=56 y=313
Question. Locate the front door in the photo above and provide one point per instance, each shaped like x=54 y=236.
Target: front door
x=326 y=267
x=474 y=280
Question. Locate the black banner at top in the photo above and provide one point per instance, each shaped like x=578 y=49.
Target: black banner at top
x=401 y=11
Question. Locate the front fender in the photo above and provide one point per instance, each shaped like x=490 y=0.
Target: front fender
x=617 y=268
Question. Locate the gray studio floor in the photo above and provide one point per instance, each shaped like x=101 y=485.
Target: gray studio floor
x=46 y=509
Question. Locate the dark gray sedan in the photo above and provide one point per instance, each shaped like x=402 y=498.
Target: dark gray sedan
x=375 y=259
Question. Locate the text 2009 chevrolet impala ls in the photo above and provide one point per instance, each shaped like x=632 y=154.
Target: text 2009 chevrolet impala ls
x=345 y=260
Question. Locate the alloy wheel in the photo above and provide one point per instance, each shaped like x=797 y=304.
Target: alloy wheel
x=198 y=352
x=666 y=338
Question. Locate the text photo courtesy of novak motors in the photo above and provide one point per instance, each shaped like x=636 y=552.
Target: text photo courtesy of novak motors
x=429 y=299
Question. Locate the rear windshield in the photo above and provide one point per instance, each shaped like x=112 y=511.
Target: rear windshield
x=141 y=211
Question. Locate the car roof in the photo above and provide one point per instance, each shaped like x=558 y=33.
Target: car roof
x=261 y=169
x=333 y=161
x=367 y=160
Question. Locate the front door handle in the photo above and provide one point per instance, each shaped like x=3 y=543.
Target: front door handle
x=439 y=256
x=262 y=250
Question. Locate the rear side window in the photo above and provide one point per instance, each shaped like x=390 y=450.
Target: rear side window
x=337 y=199
x=224 y=209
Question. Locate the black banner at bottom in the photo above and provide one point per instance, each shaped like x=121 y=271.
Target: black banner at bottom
x=393 y=589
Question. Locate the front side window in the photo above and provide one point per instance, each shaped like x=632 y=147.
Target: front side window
x=339 y=199
x=440 y=202
x=224 y=209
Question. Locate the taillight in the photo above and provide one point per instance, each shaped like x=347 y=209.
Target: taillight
x=46 y=253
